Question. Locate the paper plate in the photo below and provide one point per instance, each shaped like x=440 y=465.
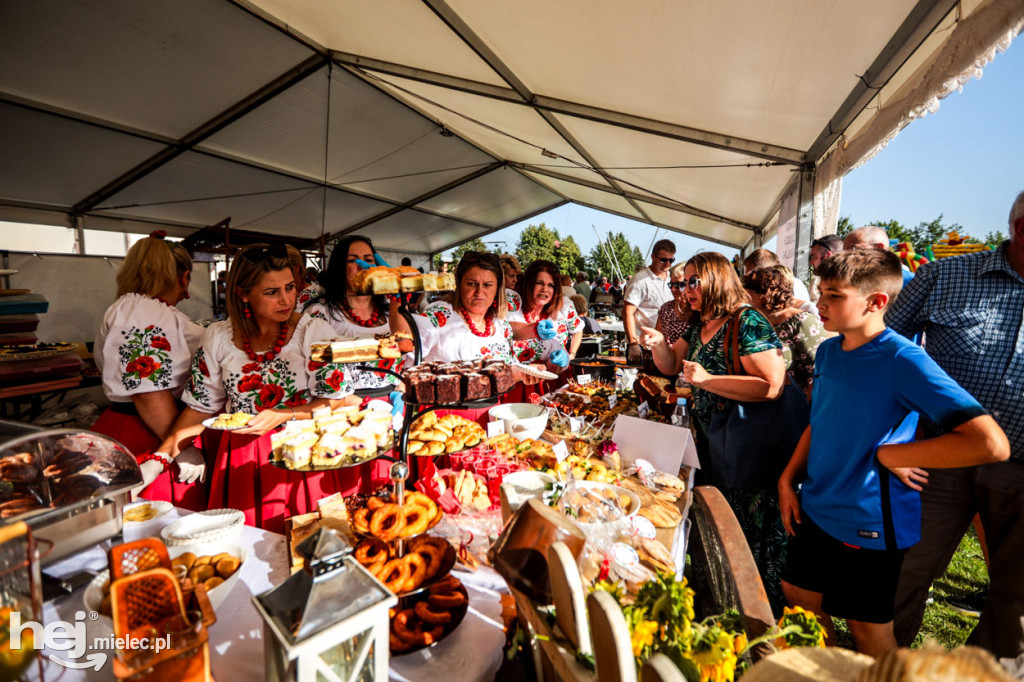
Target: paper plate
x=208 y=526
x=534 y=372
x=160 y=507
x=208 y=423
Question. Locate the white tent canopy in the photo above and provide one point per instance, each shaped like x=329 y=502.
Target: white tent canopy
x=426 y=123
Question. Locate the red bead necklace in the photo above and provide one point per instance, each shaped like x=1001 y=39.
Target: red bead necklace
x=374 y=320
x=270 y=354
x=488 y=328
x=536 y=317
x=157 y=298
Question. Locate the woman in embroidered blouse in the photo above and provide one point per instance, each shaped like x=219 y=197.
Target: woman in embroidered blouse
x=143 y=348
x=547 y=329
x=674 y=316
x=801 y=332
x=714 y=293
x=351 y=314
x=258 y=361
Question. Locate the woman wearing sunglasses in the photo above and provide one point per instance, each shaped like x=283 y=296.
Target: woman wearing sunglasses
x=714 y=293
x=547 y=329
x=351 y=314
x=258 y=362
x=143 y=349
x=674 y=316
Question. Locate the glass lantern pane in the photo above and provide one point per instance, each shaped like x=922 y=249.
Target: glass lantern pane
x=351 y=660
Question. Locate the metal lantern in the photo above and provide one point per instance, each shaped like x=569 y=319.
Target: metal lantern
x=328 y=621
x=21 y=599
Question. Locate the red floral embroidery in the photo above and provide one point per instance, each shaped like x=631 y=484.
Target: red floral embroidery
x=314 y=366
x=160 y=342
x=204 y=369
x=527 y=354
x=441 y=319
x=270 y=395
x=298 y=399
x=336 y=379
x=251 y=367
x=250 y=382
x=144 y=365
x=150 y=327
x=485 y=351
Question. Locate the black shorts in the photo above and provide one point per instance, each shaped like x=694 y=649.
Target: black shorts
x=856 y=584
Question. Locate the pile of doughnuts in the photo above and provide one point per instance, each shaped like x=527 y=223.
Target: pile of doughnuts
x=387 y=521
x=433 y=435
x=429 y=619
x=422 y=562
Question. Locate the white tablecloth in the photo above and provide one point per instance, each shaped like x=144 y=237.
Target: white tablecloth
x=615 y=326
x=472 y=652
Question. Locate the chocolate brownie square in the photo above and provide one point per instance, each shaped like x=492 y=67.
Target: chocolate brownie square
x=421 y=388
x=476 y=386
x=448 y=388
x=500 y=375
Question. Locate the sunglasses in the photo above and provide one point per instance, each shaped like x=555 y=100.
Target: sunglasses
x=265 y=254
x=666 y=261
x=477 y=257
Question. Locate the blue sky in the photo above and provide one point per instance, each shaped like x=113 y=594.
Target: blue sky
x=963 y=161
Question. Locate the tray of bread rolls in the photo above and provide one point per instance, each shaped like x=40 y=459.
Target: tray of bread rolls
x=431 y=435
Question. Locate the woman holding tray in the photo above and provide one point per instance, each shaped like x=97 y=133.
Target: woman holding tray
x=258 y=362
x=143 y=349
x=351 y=314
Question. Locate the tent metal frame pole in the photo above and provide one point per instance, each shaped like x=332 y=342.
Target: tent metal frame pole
x=804 y=224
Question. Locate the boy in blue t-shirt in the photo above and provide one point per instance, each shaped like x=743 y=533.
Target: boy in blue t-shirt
x=858 y=509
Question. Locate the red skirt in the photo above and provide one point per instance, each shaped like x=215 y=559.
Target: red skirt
x=243 y=478
x=131 y=432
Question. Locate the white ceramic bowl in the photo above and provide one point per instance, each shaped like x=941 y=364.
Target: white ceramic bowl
x=522 y=420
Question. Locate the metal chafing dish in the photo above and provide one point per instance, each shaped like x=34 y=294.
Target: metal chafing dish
x=68 y=485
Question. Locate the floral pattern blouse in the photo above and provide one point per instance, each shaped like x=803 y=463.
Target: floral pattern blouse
x=144 y=345
x=756 y=335
x=671 y=326
x=346 y=328
x=308 y=296
x=567 y=323
x=445 y=336
x=801 y=335
x=224 y=379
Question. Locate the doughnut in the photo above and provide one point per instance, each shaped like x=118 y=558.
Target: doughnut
x=451 y=600
x=394 y=574
x=387 y=522
x=372 y=552
x=421 y=499
x=374 y=503
x=417 y=571
x=395 y=644
x=376 y=569
x=431 y=617
x=361 y=521
x=447 y=584
x=410 y=630
x=433 y=557
x=417 y=519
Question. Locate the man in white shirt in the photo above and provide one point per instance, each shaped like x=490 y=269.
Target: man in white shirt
x=645 y=293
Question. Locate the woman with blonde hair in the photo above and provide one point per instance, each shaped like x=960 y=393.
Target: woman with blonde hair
x=674 y=316
x=259 y=362
x=143 y=349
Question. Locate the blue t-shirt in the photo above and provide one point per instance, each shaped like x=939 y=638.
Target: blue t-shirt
x=861 y=399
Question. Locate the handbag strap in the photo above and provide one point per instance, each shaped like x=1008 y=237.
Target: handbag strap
x=731 y=345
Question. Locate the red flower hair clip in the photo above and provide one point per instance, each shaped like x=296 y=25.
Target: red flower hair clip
x=158 y=234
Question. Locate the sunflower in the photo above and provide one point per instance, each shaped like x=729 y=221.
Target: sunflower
x=799 y=627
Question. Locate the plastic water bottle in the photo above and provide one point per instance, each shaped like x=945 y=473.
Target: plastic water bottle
x=680 y=416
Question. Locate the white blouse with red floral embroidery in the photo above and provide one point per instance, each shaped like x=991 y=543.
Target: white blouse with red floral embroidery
x=144 y=345
x=567 y=323
x=224 y=379
x=345 y=327
x=445 y=337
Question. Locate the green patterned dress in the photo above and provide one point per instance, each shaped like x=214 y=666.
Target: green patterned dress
x=757 y=510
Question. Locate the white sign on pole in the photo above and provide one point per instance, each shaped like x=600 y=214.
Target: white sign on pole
x=786 y=244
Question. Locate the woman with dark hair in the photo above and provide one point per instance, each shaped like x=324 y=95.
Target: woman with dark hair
x=547 y=329
x=258 y=362
x=143 y=349
x=351 y=314
x=801 y=332
x=714 y=293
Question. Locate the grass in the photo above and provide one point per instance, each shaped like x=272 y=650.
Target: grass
x=966 y=573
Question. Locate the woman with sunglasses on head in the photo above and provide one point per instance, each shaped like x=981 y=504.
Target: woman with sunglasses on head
x=258 y=362
x=547 y=329
x=714 y=293
x=771 y=292
x=351 y=314
x=143 y=349
x=674 y=316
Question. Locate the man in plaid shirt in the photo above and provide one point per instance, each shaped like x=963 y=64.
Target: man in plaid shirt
x=970 y=308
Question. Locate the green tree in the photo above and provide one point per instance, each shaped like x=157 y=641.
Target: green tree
x=568 y=256
x=627 y=255
x=537 y=242
x=844 y=226
x=471 y=245
x=995 y=238
x=926 y=234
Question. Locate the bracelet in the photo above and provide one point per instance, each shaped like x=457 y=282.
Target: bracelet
x=154 y=457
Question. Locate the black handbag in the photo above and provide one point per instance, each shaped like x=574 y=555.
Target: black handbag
x=750 y=443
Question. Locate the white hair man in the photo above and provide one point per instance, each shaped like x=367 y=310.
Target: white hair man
x=872 y=237
x=970 y=309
